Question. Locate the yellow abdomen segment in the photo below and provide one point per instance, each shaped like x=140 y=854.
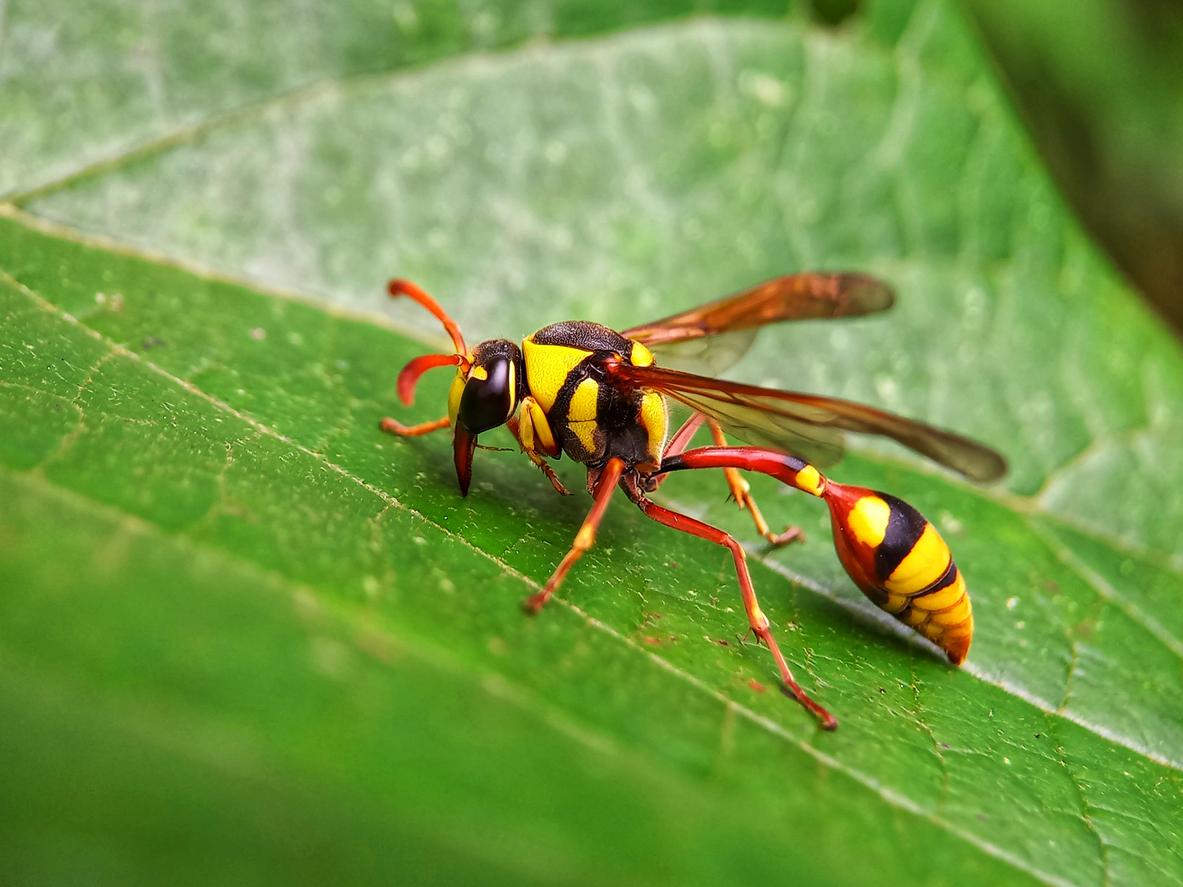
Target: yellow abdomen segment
x=927 y=591
x=944 y=615
x=924 y=563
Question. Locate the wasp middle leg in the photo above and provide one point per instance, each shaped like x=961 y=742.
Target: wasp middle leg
x=741 y=491
x=605 y=485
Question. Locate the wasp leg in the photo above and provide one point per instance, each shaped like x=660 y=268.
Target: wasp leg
x=537 y=459
x=605 y=486
x=682 y=437
x=393 y=426
x=741 y=492
x=756 y=619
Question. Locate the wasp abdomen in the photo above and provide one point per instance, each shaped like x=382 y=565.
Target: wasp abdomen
x=899 y=560
x=889 y=549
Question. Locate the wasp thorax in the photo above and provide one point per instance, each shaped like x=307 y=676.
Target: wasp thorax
x=490 y=393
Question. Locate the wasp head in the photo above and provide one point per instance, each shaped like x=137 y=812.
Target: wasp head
x=485 y=393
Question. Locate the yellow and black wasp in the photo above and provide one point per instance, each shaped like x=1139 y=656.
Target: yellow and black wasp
x=599 y=396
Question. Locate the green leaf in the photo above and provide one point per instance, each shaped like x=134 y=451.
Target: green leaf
x=245 y=636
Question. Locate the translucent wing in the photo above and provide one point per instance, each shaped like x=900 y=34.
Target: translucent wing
x=729 y=325
x=808 y=425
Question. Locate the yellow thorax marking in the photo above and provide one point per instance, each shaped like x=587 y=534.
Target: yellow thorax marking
x=581 y=414
x=547 y=368
x=655 y=418
x=641 y=356
x=583 y=402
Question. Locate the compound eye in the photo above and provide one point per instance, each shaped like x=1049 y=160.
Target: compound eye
x=487 y=403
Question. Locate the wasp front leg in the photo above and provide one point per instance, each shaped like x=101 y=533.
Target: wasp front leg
x=397 y=428
x=534 y=436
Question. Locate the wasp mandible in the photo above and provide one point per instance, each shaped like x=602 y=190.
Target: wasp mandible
x=600 y=396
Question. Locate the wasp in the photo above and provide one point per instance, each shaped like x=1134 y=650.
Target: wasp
x=601 y=397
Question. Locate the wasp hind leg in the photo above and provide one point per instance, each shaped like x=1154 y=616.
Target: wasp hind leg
x=605 y=485
x=758 y=622
x=741 y=492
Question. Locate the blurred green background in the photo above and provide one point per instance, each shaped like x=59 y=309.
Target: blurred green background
x=1099 y=85
x=245 y=638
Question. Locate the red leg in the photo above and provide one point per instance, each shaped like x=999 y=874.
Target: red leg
x=683 y=435
x=741 y=491
x=605 y=485
x=393 y=426
x=756 y=618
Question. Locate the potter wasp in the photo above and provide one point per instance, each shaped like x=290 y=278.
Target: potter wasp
x=601 y=397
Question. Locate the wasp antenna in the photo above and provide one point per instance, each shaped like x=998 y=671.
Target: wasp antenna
x=409 y=377
x=399 y=287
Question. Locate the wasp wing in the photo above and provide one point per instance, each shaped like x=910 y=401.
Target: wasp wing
x=809 y=425
x=709 y=356
x=734 y=320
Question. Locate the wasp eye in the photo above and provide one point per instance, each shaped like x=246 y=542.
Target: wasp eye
x=488 y=402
